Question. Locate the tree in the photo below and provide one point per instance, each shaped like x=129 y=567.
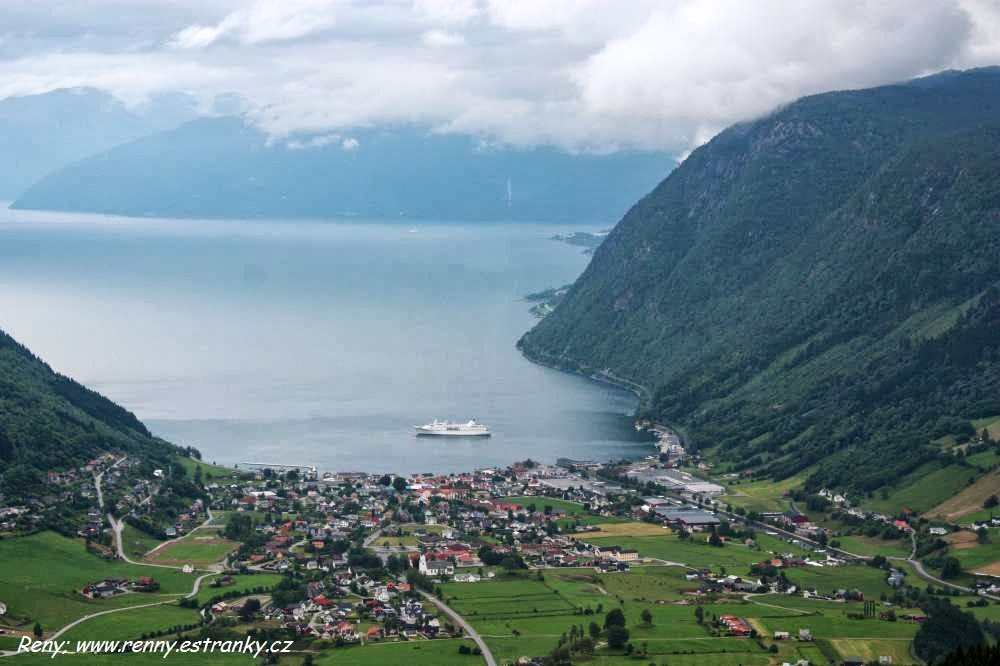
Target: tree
x=250 y=608
x=714 y=539
x=614 y=618
x=385 y=480
x=647 y=617
x=617 y=637
x=699 y=614
x=594 y=630
x=947 y=628
x=399 y=483
x=37 y=630
x=991 y=502
x=950 y=567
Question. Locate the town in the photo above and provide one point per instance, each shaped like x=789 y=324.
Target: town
x=658 y=558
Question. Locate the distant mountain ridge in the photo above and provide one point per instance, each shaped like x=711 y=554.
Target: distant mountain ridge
x=40 y=133
x=224 y=167
x=814 y=289
x=50 y=422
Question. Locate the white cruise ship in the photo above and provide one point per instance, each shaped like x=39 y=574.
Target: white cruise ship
x=446 y=428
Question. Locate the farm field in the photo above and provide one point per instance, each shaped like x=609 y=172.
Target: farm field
x=209 y=472
x=411 y=653
x=976 y=557
x=201 y=548
x=862 y=545
x=969 y=500
x=137 y=543
x=693 y=552
x=870 y=580
x=626 y=529
x=871 y=649
x=760 y=495
x=525 y=616
x=133 y=623
x=923 y=491
x=146 y=659
x=44 y=572
x=992 y=424
x=408 y=537
x=241 y=583
x=540 y=502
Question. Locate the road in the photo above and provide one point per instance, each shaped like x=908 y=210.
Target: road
x=466 y=627
x=117 y=526
x=99 y=477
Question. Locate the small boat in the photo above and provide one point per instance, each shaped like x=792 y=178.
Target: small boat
x=470 y=428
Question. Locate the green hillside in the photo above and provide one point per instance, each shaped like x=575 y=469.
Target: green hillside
x=817 y=286
x=50 y=422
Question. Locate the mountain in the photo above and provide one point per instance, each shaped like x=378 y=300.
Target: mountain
x=39 y=133
x=50 y=422
x=814 y=290
x=224 y=167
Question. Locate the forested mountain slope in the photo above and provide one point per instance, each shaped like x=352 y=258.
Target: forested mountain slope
x=50 y=422
x=816 y=286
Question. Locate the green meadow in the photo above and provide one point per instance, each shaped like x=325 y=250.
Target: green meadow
x=43 y=574
x=411 y=653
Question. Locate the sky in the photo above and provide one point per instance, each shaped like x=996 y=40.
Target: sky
x=590 y=75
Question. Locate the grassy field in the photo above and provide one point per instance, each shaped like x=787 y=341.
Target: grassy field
x=863 y=545
x=43 y=573
x=209 y=472
x=760 y=495
x=870 y=580
x=137 y=543
x=412 y=653
x=969 y=500
x=976 y=557
x=176 y=659
x=525 y=616
x=628 y=529
x=200 y=547
x=240 y=583
x=992 y=424
x=694 y=552
x=923 y=492
x=871 y=649
x=571 y=508
x=131 y=624
x=409 y=537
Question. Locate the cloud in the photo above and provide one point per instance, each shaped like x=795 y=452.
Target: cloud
x=580 y=74
x=447 y=12
x=441 y=39
x=260 y=22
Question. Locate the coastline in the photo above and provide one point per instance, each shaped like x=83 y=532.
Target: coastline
x=641 y=392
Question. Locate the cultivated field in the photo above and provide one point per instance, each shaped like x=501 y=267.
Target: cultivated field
x=43 y=574
x=969 y=500
x=200 y=548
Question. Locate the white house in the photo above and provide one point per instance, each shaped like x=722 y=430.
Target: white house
x=435 y=567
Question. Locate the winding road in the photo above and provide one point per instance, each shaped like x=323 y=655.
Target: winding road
x=466 y=627
x=117 y=526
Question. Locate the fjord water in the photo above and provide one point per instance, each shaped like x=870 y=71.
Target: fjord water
x=310 y=342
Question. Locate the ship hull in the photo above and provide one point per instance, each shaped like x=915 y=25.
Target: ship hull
x=451 y=433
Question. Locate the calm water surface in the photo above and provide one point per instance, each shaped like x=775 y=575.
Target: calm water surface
x=311 y=343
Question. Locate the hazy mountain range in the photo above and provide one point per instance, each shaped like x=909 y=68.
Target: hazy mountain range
x=39 y=133
x=83 y=151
